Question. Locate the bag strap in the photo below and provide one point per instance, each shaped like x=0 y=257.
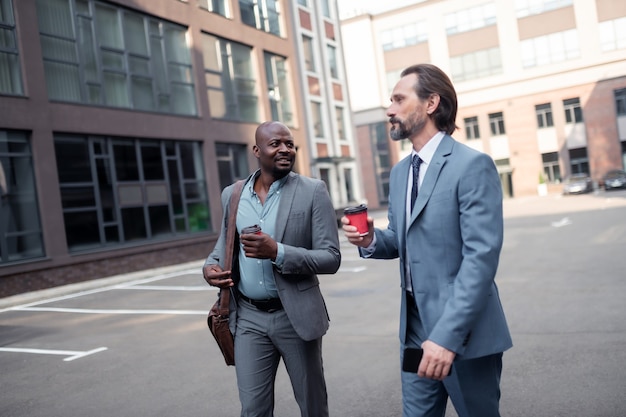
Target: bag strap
x=229 y=248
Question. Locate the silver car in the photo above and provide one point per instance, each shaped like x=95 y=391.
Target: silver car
x=577 y=184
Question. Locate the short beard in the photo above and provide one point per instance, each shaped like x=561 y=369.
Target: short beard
x=399 y=133
x=403 y=131
x=279 y=173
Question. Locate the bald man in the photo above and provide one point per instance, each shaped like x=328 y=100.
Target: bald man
x=279 y=311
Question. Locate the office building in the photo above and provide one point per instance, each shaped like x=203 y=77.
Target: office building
x=122 y=120
x=541 y=83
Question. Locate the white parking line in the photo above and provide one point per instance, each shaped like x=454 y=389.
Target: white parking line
x=106 y=311
x=356 y=269
x=137 y=285
x=565 y=221
x=72 y=353
x=169 y=288
x=102 y=289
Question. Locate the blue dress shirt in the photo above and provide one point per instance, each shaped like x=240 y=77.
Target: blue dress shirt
x=257 y=275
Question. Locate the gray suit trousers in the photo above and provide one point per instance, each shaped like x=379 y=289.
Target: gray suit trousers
x=261 y=340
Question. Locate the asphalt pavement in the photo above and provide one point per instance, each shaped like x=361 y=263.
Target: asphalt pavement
x=137 y=344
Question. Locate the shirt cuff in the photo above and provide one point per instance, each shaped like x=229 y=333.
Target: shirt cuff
x=368 y=251
x=280 y=256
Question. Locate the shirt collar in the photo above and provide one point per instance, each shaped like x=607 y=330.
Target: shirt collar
x=428 y=151
x=276 y=185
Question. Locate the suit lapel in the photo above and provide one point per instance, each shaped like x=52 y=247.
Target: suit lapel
x=287 y=195
x=432 y=174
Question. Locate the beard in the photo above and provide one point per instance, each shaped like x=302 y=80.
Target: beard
x=406 y=129
x=280 y=171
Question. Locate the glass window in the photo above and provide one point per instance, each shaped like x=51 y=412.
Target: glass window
x=382 y=161
x=307 y=48
x=126 y=164
x=231 y=79
x=471 y=128
x=544 y=115
x=573 y=111
x=20 y=228
x=118 y=190
x=471 y=19
x=152 y=161
x=10 y=73
x=261 y=14
x=530 y=7
x=613 y=34
x=325 y=176
x=579 y=161
x=404 y=36
x=232 y=163
x=318 y=123
x=347 y=177
x=620 y=101
x=341 y=123
x=278 y=88
x=477 y=64
x=325 y=8
x=550 y=49
x=496 y=124
x=114 y=57
x=216 y=6
x=332 y=61
x=551 y=168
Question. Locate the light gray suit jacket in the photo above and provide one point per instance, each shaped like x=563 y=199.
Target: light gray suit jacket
x=453 y=243
x=306 y=225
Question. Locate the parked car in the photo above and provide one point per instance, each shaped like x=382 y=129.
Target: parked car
x=614 y=179
x=578 y=184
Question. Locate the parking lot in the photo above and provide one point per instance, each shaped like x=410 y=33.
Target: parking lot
x=138 y=345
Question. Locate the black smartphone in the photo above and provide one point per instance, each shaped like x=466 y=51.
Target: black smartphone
x=411 y=359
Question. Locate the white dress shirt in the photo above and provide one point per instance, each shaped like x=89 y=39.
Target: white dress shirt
x=426 y=155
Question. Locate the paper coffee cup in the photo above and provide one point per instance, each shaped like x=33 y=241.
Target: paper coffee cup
x=358 y=217
x=256 y=229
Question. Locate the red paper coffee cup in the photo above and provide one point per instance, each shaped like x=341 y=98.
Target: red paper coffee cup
x=358 y=217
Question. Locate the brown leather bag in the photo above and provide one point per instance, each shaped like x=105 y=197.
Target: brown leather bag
x=218 y=315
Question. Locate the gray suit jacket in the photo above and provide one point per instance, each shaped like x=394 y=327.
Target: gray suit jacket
x=307 y=227
x=453 y=243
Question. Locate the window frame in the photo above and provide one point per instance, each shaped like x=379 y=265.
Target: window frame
x=544 y=115
x=496 y=124
x=573 y=111
x=551 y=167
x=234 y=158
x=91 y=62
x=620 y=101
x=224 y=66
x=128 y=209
x=472 y=128
x=15 y=83
x=279 y=88
x=265 y=17
x=219 y=7
x=21 y=235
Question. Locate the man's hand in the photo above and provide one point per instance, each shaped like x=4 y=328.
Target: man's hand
x=259 y=245
x=214 y=275
x=353 y=235
x=436 y=361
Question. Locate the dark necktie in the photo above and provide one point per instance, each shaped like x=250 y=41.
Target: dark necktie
x=416 y=162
